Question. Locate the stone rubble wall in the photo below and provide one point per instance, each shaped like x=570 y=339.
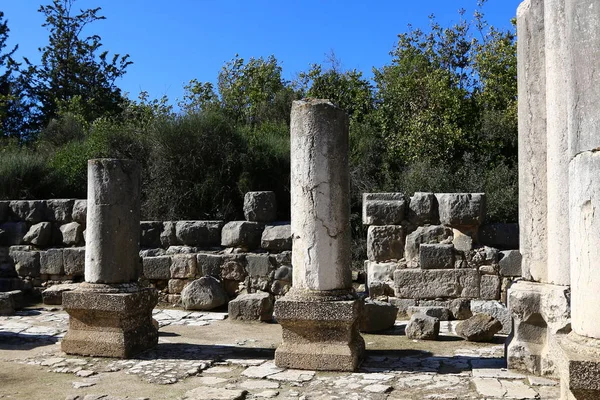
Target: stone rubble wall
x=42 y=243
x=433 y=249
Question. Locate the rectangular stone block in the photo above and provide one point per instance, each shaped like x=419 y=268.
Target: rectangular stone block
x=183 y=266
x=436 y=256
x=431 y=284
x=277 y=237
x=383 y=208
x=199 y=233
x=260 y=206
x=27 y=263
x=510 y=263
x=51 y=262
x=59 y=210
x=259 y=265
x=242 y=234
x=176 y=286
x=461 y=209
x=402 y=305
x=74 y=261
x=423 y=209
x=380 y=278
x=490 y=287
x=79 y=213
x=385 y=243
x=157 y=267
x=33 y=211
x=210 y=264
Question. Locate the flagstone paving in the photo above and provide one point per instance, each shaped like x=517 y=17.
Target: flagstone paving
x=202 y=355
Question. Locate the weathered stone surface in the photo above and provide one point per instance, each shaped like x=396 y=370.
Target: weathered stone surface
x=431 y=284
x=53 y=294
x=27 y=263
x=113 y=221
x=152 y=252
x=385 y=242
x=39 y=234
x=176 y=286
x=423 y=209
x=384 y=208
x=33 y=211
x=260 y=206
x=51 y=262
x=59 y=210
x=510 y=263
x=79 y=213
x=461 y=209
x=205 y=293
x=259 y=265
x=157 y=267
x=242 y=234
x=436 y=256
x=425 y=235
x=199 y=233
x=74 y=261
x=483 y=256
x=210 y=264
x=422 y=327
x=284 y=273
x=213 y=393
x=277 y=237
x=460 y=308
x=462 y=240
x=441 y=313
x=72 y=233
x=150 y=233
x=377 y=316
x=252 y=307
x=233 y=270
x=478 y=328
x=380 y=278
x=167 y=236
x=109 y=324
x=402 y=305
x=494 y=309
x=184 y=266
x=500 y=236
x=12 y=233
x=489 y=287
x=175 y=250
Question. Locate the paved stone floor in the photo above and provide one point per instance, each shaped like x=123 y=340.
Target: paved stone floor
x=203 y=355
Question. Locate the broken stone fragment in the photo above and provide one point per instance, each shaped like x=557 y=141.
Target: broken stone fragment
x=478 y=328
x=422 y=327
x=252 y=307
x=39 y=234
x=260 y=206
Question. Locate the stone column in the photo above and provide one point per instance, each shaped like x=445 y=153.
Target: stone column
x=111 y=314
x=320 y=314
x=531 y=75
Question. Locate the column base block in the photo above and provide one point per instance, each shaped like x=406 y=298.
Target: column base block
x=319 y=334
x=110 y=323
x=579 y=367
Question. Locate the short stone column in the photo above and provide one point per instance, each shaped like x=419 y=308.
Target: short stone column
x=111 y=314
x=320 y=314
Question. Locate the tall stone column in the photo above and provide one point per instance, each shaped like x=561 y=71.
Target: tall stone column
x=111 y=314
x=320 y=314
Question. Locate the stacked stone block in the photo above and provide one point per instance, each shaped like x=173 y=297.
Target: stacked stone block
x=426 y=251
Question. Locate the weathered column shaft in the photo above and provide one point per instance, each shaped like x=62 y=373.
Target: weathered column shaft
x=557 y=142
x=113 y=221
x=320 y=193
x=531 y=74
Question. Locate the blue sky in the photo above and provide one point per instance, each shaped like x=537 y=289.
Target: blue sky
x=172 y=42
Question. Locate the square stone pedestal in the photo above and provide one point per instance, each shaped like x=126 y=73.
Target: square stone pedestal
x=110 y=320
x=579 y=367
x=319 y=334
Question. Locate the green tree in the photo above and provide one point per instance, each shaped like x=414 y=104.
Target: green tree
x=73 y=65
x=11 y=113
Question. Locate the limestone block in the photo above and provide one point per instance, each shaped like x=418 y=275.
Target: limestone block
x=33 y=211
x=59 y=210
x=167 y=236
x=462 y=240
x=441 y=313
x=53 y=294
x=39 y=234
x=72 y=233
x=174 y=250
x=380 y=278
x=150 y=233
x=500 y=236
x=425 y=235
x=251 y=307
x=422 y=327
x=277 y=237
x=377 y=316
x=27 y=263
x=12 y=233
x=260 y=206
x=483 y=256
x=494 y=309
x=205 y=293
x=402 y=305
x=510 y=263
x=233 y=270
x=176 y=286
x=431 y=284
x=423 y=209
x=74 y=261
x=157 y=267
x=461 y=209
x=4 y=210
x=385 y=242
x=436 y=256
x=152 y=252
x=243 y=234
x=184 y=266
x=460 y=308
x=210 y=264
x=384 y=208
x=259 y=265
x=489 y=287
x=478 y=328
x=79 y=213
x=51 y=262
x=199 y=233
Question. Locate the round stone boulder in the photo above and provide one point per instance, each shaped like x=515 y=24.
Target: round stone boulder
x=205 y=293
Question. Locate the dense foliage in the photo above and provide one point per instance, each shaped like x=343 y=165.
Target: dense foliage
x=441 y=116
